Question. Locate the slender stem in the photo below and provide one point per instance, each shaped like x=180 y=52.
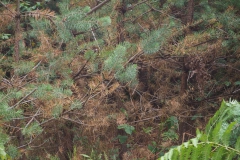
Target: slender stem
x=17 y=32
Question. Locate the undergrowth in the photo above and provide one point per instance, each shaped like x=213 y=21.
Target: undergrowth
x=219 y=141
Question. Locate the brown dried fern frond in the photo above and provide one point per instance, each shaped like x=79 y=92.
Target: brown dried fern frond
x=40 y=14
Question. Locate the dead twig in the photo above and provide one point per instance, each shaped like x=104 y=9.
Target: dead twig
x=98 y=6
x=23 y=99
x=79 y=72
x=32 y=118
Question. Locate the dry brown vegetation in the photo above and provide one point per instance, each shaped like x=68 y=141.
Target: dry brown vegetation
x=183 y=80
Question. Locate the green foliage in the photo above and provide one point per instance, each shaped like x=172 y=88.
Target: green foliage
x=127 y=75
x=172 y=126
x=148 y=130
x=177 y=3
x=105 y=21
x=26 y=6
x=4 y=36
x=3 y=154
x=116 y=59
x=57 y=110
x=151 y=27
x=32 y=129
x=23 y=68
x=170 y=135
x=172 y=122
x=122 y=139
x=127 y=128
x=75 y=19
x=115 y=62
x=153 y=147
x=76 y=105
x=43 y=91
x=39 y=25
x=215 y=142
x=61 y=93
x=3 y=140
x=154 y=40
x=8 y=114
x=67 y=83
x=90 y=55
x=12 y=151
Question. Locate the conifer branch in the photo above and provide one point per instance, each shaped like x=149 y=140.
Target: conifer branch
x=142 y=15
x=130 y=8
x=44 y=122
x=31 y=71
x=133 y=57
x=98 y=7
x=23 y=99
x=78 y=33
x=27 y=144
x=36 y=114
x=162 y=12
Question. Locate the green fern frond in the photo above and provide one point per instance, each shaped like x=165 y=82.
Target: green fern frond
x=175 y=155
x=230 y=155
x=237 y=145
x=217 y=155
x=217 y=141
x=227 y=134
x=215 y=136
x=206 y=151
x=196 y=152
x=187 y=152
x=183 y=153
